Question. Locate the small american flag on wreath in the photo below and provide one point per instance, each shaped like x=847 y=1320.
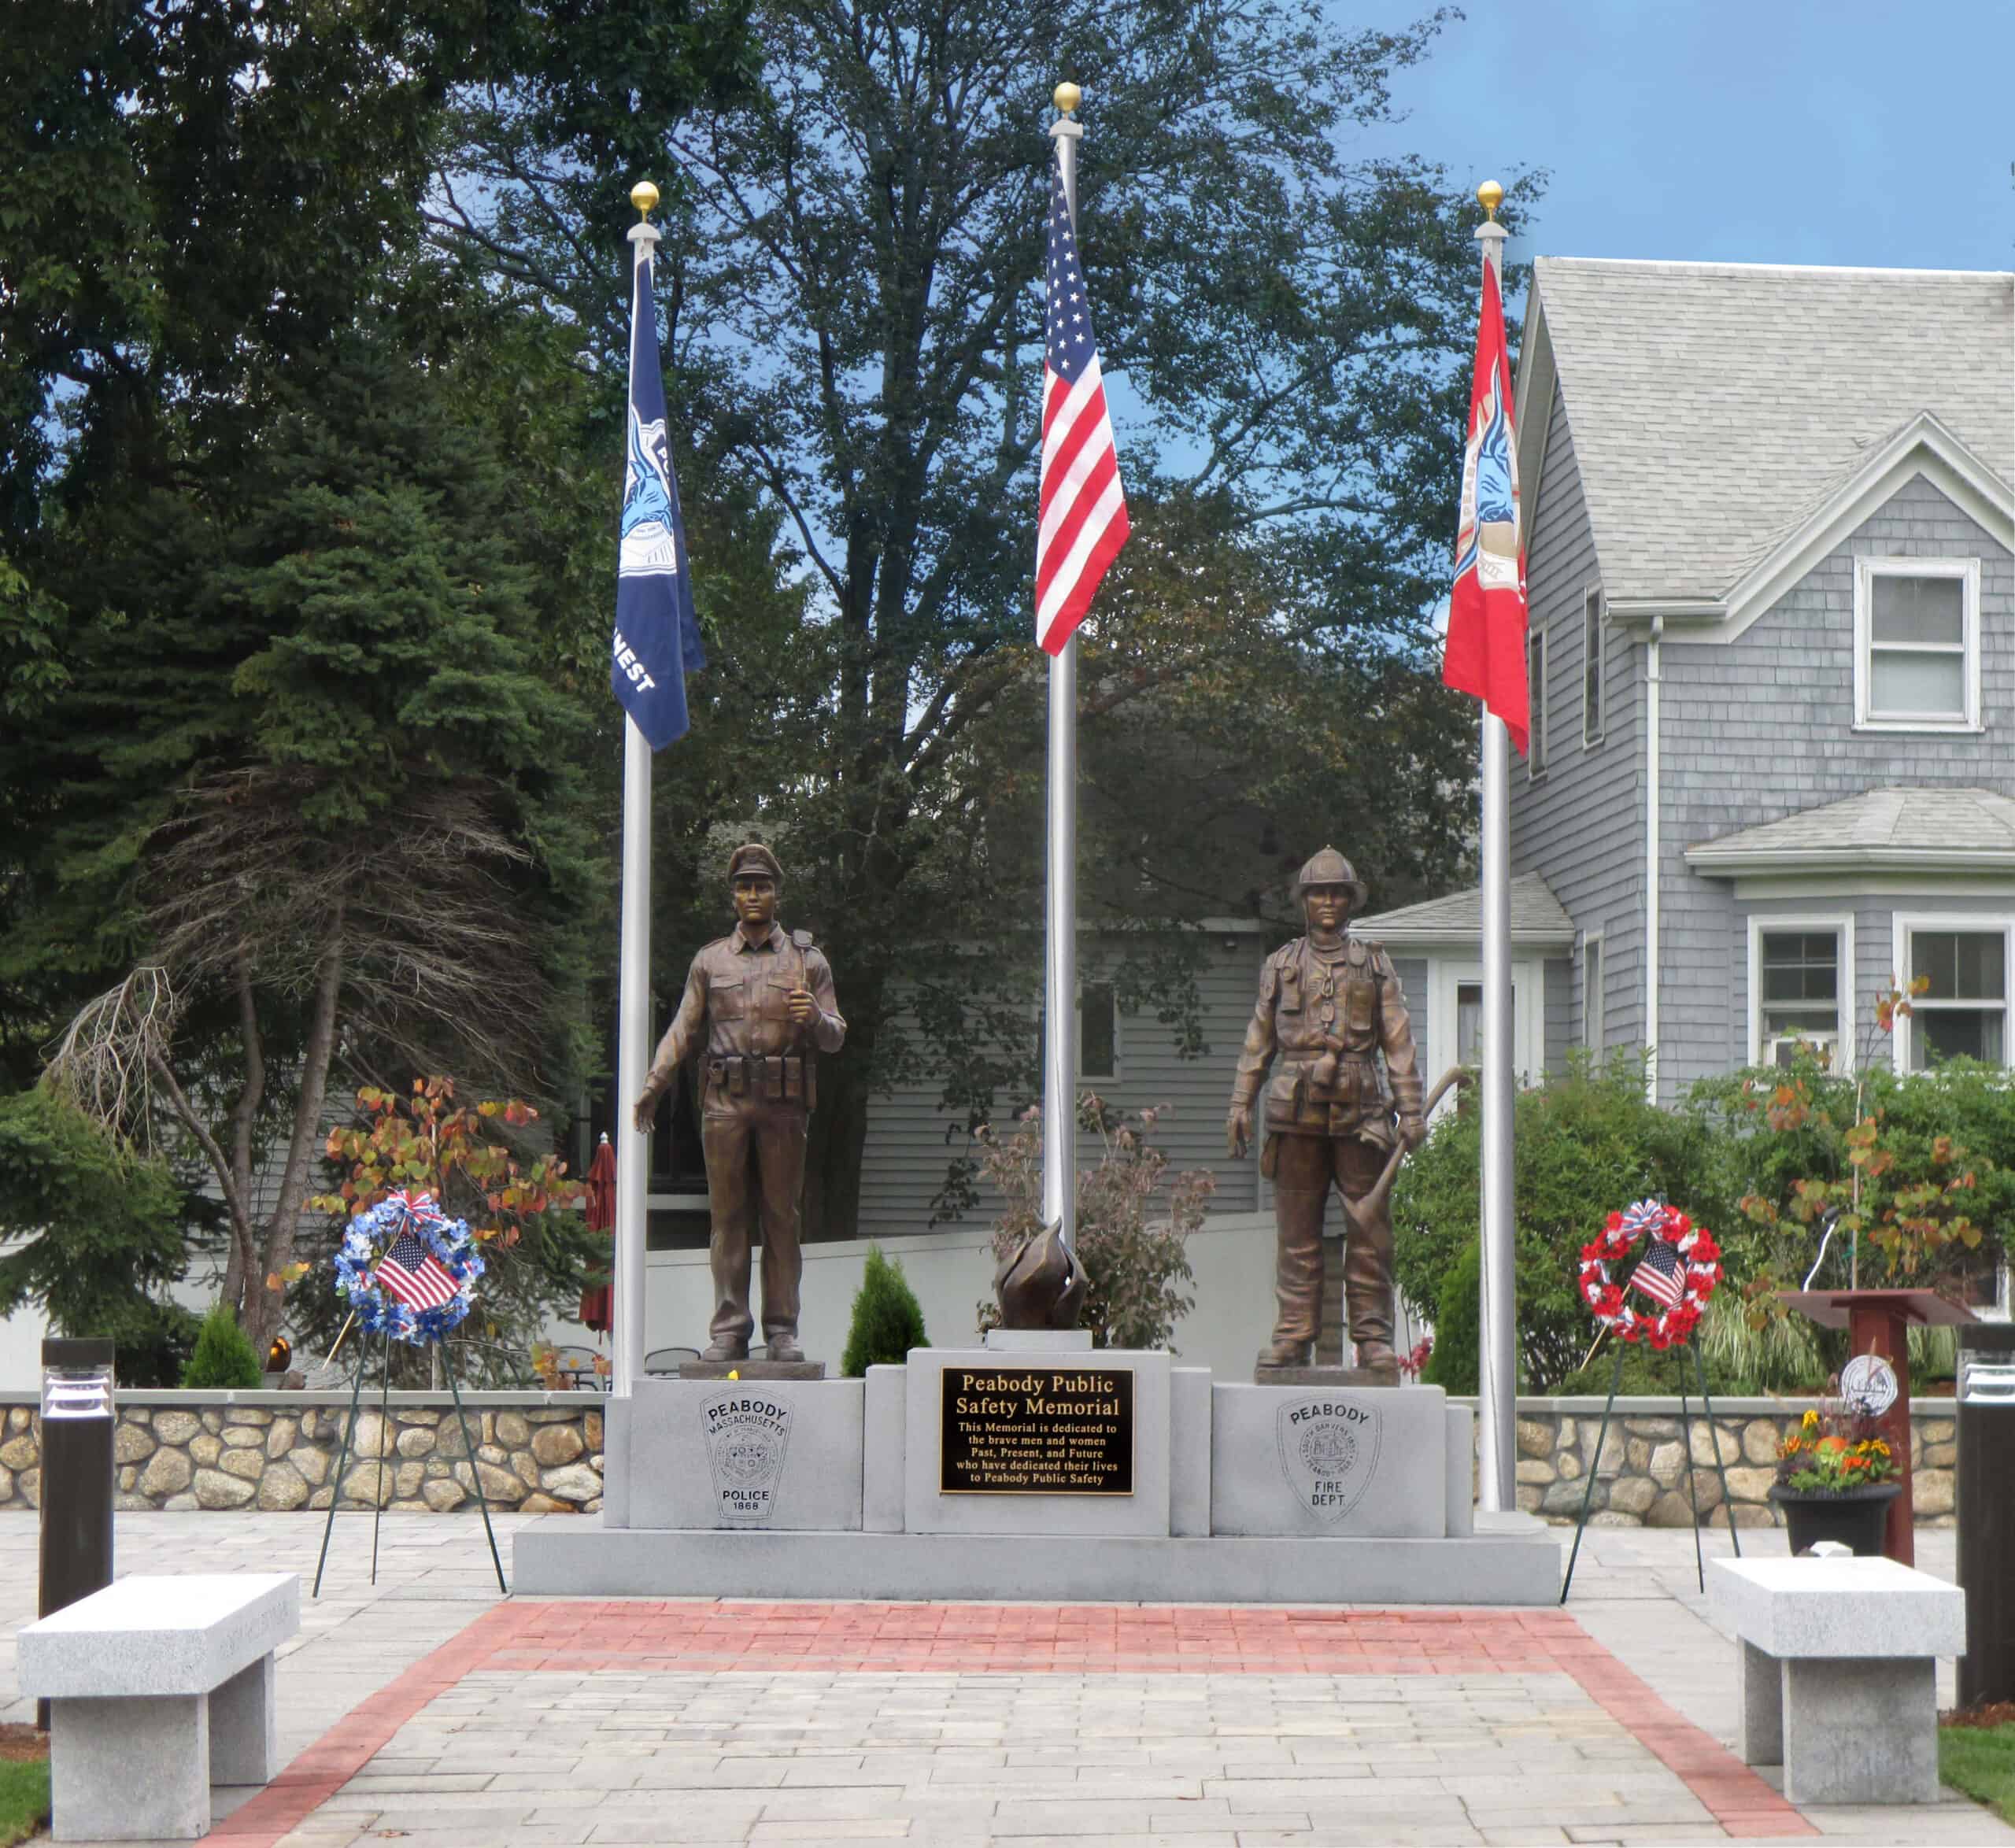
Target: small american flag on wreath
x=410 y=1274
x=1660 y=1272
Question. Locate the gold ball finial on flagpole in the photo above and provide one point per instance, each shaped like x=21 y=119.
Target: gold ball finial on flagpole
x=1490 y=195
x=644 y=196
x=1067 y=98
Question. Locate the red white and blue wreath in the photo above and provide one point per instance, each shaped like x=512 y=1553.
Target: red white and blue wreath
x=407 y=1268
x=1676 y=1274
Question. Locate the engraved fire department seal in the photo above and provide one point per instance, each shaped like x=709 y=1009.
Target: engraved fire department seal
x=747 y=1434
x=1329 y=1451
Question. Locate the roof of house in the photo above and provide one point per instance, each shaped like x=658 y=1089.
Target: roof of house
x=1714 y=406
x=1893 y=827
x=1539 y=921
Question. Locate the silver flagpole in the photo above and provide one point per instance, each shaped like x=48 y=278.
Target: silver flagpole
x=633 y=1023
x=1059 y=997
x=1497 y=1381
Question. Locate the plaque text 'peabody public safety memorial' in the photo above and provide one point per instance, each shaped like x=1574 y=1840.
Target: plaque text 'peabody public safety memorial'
x=1037 y=1431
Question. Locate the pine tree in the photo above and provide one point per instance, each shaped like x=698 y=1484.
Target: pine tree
x=224 y=1357
x=888 y=1320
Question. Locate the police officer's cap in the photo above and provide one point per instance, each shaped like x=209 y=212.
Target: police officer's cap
x=1330 y=868
x=752 y=856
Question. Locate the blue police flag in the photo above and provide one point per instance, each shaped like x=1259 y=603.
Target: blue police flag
x=657 y=636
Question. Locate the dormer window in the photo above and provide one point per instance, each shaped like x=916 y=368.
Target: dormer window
x=1917 y=644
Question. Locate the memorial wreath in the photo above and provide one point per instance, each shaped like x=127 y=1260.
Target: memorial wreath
x=1676 y=1273
x=407 y=1268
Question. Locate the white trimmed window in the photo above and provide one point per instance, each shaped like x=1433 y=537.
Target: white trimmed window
x=1591 y=667
x=1536 y=703
x=1801 y=989
x=1917 y=644
x=1592 y=1021
x=1963 y=1012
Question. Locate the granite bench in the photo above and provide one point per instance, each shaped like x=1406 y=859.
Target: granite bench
x=1839 y=1672
x=158 y=1688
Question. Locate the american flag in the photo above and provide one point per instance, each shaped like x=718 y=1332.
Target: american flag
x=1660 y=1273
x=1084 y=508
x=410 y=1274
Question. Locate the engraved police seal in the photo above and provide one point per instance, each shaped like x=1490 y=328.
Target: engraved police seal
x=747 y=1434
x=1329 y=1451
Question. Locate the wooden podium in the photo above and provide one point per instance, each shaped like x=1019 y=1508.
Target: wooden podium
x=1877 y=1322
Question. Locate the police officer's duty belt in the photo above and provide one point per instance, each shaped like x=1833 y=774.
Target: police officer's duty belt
x=783 y=1078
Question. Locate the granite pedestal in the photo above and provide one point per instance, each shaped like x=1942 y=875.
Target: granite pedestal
x=1234 y=1493
x=776 y=1453
x=158 y=1688
x=1838 y=1661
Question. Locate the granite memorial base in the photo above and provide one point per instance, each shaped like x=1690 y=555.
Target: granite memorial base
x=1037 y=1467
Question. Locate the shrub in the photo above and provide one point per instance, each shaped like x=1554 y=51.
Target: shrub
x=1588 y=1143
x=1918 y=1172
x=888 y=1320
x=223 y=1356
x=1453 y=1362
x=1134 y=1267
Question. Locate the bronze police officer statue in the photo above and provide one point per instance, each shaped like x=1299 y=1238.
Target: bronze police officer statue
x=764 y=1001
x=1330 y=1006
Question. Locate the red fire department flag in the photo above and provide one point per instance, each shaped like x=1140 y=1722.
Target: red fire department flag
x=1486 y=651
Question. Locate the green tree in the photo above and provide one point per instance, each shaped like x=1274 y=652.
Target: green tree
x=292 y=595
x=1587 y=1144
x=853 y=319
x=888 y=1320
x=223 y=1357
x=1456 y=1356
x=97 y=1237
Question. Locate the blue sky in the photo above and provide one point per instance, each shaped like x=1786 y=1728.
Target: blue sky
x=1876 y=132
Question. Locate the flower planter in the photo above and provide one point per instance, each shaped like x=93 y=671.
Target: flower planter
x=1853 y=1516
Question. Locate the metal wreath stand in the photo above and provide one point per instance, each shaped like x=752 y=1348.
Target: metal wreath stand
x=384 y=1436
x=1683 y=1345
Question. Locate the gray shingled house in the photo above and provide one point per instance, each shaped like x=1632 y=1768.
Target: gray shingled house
x=1771 y=560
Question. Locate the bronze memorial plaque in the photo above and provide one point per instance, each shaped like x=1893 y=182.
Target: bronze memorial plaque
x=1037 y=1431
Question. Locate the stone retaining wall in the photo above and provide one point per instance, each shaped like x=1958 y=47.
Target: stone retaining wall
x=542 y=1453
x=1641 y=1480
x=535 y=1453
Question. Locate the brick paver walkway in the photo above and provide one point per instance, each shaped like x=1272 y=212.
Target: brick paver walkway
x=500 y=1725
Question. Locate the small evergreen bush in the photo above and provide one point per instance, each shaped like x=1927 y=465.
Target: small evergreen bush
x=223 y=1356
x=1457 y=1322
x=888 y=1320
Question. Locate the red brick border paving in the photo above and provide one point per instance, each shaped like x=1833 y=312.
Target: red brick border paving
x=707 y=1637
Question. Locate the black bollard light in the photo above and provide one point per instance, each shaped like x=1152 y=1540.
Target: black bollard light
x=1983 y=1486
x=77 y=1423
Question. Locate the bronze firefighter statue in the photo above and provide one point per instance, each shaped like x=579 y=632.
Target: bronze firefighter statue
x=1330 y=1006
x=763 y=1000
